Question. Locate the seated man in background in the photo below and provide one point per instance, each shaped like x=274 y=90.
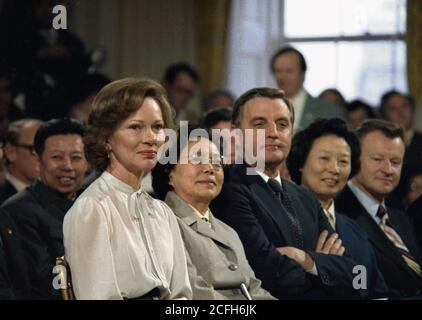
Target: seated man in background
x=181 y=81
x=414 y=212
x=363 y=199
x=357 y=112
x=218 y=98
x=400 y=109
x=21 y=162
x=39 y=210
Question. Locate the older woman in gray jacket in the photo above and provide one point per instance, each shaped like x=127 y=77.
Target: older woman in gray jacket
x=217 y=264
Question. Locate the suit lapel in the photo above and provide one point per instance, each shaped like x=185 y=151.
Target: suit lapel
x=271 y=205
x=376 y=236
x=190 y=218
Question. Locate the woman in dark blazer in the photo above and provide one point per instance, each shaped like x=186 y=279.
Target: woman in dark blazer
x=217 y=264
x=322 y=159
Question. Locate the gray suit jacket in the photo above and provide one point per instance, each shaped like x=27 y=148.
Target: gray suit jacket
x=217 y=264
x=317 y=108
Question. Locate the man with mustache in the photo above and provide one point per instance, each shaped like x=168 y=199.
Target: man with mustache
x=287 y=238
x=39 y=210
x=389 y=230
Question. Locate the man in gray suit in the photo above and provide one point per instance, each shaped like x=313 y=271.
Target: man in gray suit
x=289 y=68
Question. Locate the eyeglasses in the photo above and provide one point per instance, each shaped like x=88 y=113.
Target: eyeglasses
x=29 y=147
x=217 y=161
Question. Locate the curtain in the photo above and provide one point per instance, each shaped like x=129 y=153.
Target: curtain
x=211 y=24
x=414 y=55
x=254 y=35
x=140 y=37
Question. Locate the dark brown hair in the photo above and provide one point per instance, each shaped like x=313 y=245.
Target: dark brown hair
x=271 y=93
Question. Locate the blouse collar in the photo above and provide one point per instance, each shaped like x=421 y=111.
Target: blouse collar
x=119 y=184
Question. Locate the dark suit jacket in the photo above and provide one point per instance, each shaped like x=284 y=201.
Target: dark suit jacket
x=413 y=156
x=15 y=264
x=38 y=211
x=248 y=205
x=6 y=292
x=414 y=211
x=6 y=190
x=396 y=272
x=357 y=246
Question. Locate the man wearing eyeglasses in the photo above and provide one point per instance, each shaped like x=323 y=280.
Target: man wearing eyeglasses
x=21 y=163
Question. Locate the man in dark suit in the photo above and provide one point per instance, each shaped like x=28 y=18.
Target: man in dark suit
x=289 y=68
x=287 y=238
x=14 y=278
x=400 y=109
x=39 y=210
x=21 y=163
x=389 y=230
x=6 y=292
x=414 y=212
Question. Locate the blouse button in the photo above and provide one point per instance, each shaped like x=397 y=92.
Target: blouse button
x=233 y=267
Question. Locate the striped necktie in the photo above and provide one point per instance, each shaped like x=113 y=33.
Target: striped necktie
x=286 y=202
x=394 y=237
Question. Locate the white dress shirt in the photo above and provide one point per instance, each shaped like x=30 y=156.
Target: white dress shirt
x=15 y=182
x=121 y=243
x=366 y=201
x=298 y=102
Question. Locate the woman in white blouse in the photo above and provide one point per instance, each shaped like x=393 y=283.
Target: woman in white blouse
x=121 y=243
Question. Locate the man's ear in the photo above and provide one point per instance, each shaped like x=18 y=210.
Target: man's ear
x=10 y=152
x=171 y=180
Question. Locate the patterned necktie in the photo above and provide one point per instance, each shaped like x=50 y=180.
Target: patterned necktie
x=394 y=237
x=330 y=218
x=286 y=202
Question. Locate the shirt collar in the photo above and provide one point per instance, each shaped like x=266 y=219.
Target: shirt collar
x=119 y=184
x=331 y=211
x=206 y=215
x=184 y=210
x=299 y=98
x=48 y=196
x=370 y=205
x=266 y=177
x=298 y=102
x=15 y=182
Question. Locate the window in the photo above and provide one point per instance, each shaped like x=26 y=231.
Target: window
x=354 y=45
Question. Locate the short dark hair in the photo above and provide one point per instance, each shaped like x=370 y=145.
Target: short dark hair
x=387 y=95
x=56 y=127
x=207 y=101
x=161 y=172
x=214 y=116
x=388 y=129
x=271 y=93
x=359 y=104
x=303 y=141
x=173 y=70
x=284 y=50
x=336 y=92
